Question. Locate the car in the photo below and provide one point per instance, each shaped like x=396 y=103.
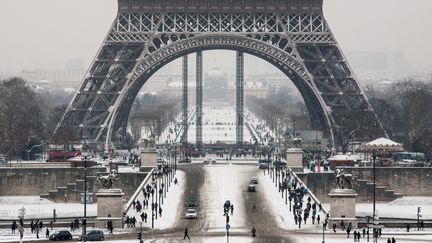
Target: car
x=251 y=188
x=254 y=180
x=263 y=166
x=185 y=161
x=93 y=235
x=61 y=235
x=191 y=202
x=191 y=213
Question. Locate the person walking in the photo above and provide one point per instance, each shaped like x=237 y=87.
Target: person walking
x=253 y=232
x=186 y=234
x=393 y=240
x=348 y=230
x=318 y=218
x=407 y=227
x=13 y=226
x=334 y=228
x=388 y=240
x=358 y=236
x=355 y=235
x=47 y=233
x=145 y=217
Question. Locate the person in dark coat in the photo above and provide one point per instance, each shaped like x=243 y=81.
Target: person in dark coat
x=186 y=234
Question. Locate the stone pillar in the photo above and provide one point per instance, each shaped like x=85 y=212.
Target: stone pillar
x=109 y=207
x=343 y=207
x=295 y=159
x=148 y=157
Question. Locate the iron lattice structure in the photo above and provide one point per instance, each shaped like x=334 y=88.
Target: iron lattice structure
x=239 y=97
x=185 y=124
x=290 y=34
x=199 y=100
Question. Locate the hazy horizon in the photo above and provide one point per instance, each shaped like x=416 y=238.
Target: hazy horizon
x=44 y=34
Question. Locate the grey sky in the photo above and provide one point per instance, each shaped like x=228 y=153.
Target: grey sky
x=45 y=33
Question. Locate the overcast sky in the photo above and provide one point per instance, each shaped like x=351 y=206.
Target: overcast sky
x=43 y=34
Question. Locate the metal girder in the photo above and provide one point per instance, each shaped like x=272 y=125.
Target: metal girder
x=184 y=138
x=143 y=38
x=199 y=99
x=239 y=97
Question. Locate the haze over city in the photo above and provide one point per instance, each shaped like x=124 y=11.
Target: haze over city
x=44 y=34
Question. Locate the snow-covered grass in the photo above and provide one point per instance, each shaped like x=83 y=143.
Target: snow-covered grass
x=36 y=207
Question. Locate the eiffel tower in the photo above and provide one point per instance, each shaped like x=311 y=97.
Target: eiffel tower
x=293 y=35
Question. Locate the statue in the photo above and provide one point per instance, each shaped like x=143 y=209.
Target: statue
x=150 y=142
x=107 y=180
x=343 y=179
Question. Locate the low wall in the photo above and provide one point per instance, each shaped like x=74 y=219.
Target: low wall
x=410 y=181
x=36 y=181
x=415 y=181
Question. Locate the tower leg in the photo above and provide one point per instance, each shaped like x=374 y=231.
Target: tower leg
x=199 y=99
x=184 y=138
x=239 y=97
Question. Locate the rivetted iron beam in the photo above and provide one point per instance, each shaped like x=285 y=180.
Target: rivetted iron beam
x=199 y=99
x=185 y=124
x=239 y=97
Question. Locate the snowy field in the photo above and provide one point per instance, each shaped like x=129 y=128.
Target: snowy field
x=36 y=207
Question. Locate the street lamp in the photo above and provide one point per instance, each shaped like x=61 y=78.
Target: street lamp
x=152 y=193
x=374 y=156
x=84 y=221
x=324 y=226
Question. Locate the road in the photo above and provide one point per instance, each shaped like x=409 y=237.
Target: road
x=212 y=185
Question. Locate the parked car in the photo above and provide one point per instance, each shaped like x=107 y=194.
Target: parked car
x=263 y=166
x=61 y=235
x=254 y=180
x=191 y=213
x=251 y=188
x=191 y=202
x=93 y=235
x=185 y=161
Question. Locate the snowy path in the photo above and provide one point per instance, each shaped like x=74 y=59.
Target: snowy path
x=170 y=208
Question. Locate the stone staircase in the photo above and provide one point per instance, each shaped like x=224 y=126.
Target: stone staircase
x=71 y=193
x=364 y=190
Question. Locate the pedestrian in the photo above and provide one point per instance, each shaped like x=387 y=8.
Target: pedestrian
x=358 y=236
x=232 y=209
x=253 y=232
x=176 y=181
x=13 y=226
x=21 y=231
x=318 y=218
x=47 y=233
x=393 y=240
x=37 y=232
x=160 y=212
x=355 y=235
x=407 y=227
x=145 y=217
x=388 y=240
x=186 y=234
x=51 y=224
x=364 y=232
x=299 y=221
x=334 y=228
x=422 y=225
x=31 y=226
x=348 y=230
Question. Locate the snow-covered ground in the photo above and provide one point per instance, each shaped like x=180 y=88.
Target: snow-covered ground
x=170 y=208
x=36 y=207
x=219 y=124
x=222 y=182
x=279 y=210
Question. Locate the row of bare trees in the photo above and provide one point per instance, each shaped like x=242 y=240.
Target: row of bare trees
x=405 y=109
x=27 y=118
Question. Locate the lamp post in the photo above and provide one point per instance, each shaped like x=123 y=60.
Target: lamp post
x=152 y=193
x=84 y=221
x=324 y=226
x=374 y=156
